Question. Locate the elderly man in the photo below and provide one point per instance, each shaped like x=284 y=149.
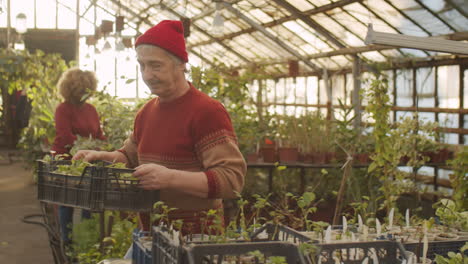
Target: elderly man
x=183 y=142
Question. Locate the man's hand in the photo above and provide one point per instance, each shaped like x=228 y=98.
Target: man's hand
x=91 y=155
x=154 y=177
x=87 y=155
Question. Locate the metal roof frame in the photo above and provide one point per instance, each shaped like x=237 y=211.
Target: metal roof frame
x=332 y=45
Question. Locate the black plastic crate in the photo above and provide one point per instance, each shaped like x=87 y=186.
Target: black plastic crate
x=118 y=193
x=241 y=252
x=141 y=254
x=280 y=233
x=98 y=188
x=165 y=248
x=436 y=248
x=387 y=252
x=63 y=189
x=269 y=240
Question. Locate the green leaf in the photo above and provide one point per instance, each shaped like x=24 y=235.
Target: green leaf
x=280 y=168
x=309 y=197
x=372 y=167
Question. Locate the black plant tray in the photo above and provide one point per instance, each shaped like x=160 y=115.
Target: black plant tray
x=269 y=240
x=387 y=252
x=98 y=188
x=436 y=248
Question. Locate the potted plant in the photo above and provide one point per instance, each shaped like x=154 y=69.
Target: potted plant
x=315 y=136
x=288 y=151
x=415 y=139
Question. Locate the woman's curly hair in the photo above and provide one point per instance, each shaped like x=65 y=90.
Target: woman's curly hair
x=74 y=84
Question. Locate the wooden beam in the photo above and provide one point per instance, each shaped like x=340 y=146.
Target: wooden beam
x=394 y=108
x=347 y=29
x=349 y=51
x=408 y=17
x=320 y=9
x=202 y=58
x=461 y=131
x=138 y=15
x=131 y=12
x=458 y=8
x=430 y=180
x=310 y=22
x=431 y=109
x=208 y=12
x=436 y=15
x=209 y=36
x=390 y=25
x=356 y=92
x=328 y=7
x=271 y=36
x=355 y=50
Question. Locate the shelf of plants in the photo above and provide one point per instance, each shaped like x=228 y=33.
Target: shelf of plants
x=96 y=187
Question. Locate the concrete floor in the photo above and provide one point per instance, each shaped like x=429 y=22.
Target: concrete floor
x=20 y=243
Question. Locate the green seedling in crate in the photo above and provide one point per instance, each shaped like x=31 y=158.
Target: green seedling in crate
x=123 y=175
x=453 y=258
x=75 y=168
x=260 y=258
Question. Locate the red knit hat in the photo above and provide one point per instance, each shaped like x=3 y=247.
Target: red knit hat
x=169 y=35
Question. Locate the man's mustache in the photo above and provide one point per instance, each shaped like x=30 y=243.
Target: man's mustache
x=153 y=82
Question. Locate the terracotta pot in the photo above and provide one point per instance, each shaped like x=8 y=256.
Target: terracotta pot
x=252 y=157
x=269 y=154
x=325 y=211
x=438 y=157
x=306 y=158
x=362 y=158
x=404 y=160
x=320 y=157
x=288 y=155
x=330 y=157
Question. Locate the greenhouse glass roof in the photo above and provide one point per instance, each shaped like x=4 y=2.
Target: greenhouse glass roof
x=319 y=34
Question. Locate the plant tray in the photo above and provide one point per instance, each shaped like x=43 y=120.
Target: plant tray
x=165 y=249
x=141 y=248
x=387 y=252
x=436 y=248
x=269 y=240
x=98 y=188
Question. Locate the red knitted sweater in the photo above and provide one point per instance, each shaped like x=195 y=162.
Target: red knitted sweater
x=192 y=133
x=72 y=120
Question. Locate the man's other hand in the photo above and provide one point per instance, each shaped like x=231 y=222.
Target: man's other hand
x=153 y=176
x=88 y=155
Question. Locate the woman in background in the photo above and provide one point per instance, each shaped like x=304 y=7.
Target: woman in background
x=74 y=117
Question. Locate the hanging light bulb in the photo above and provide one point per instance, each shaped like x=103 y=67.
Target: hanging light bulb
x=217 y=27
x=119 y=46
x=21 y=23
x=107 y=46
